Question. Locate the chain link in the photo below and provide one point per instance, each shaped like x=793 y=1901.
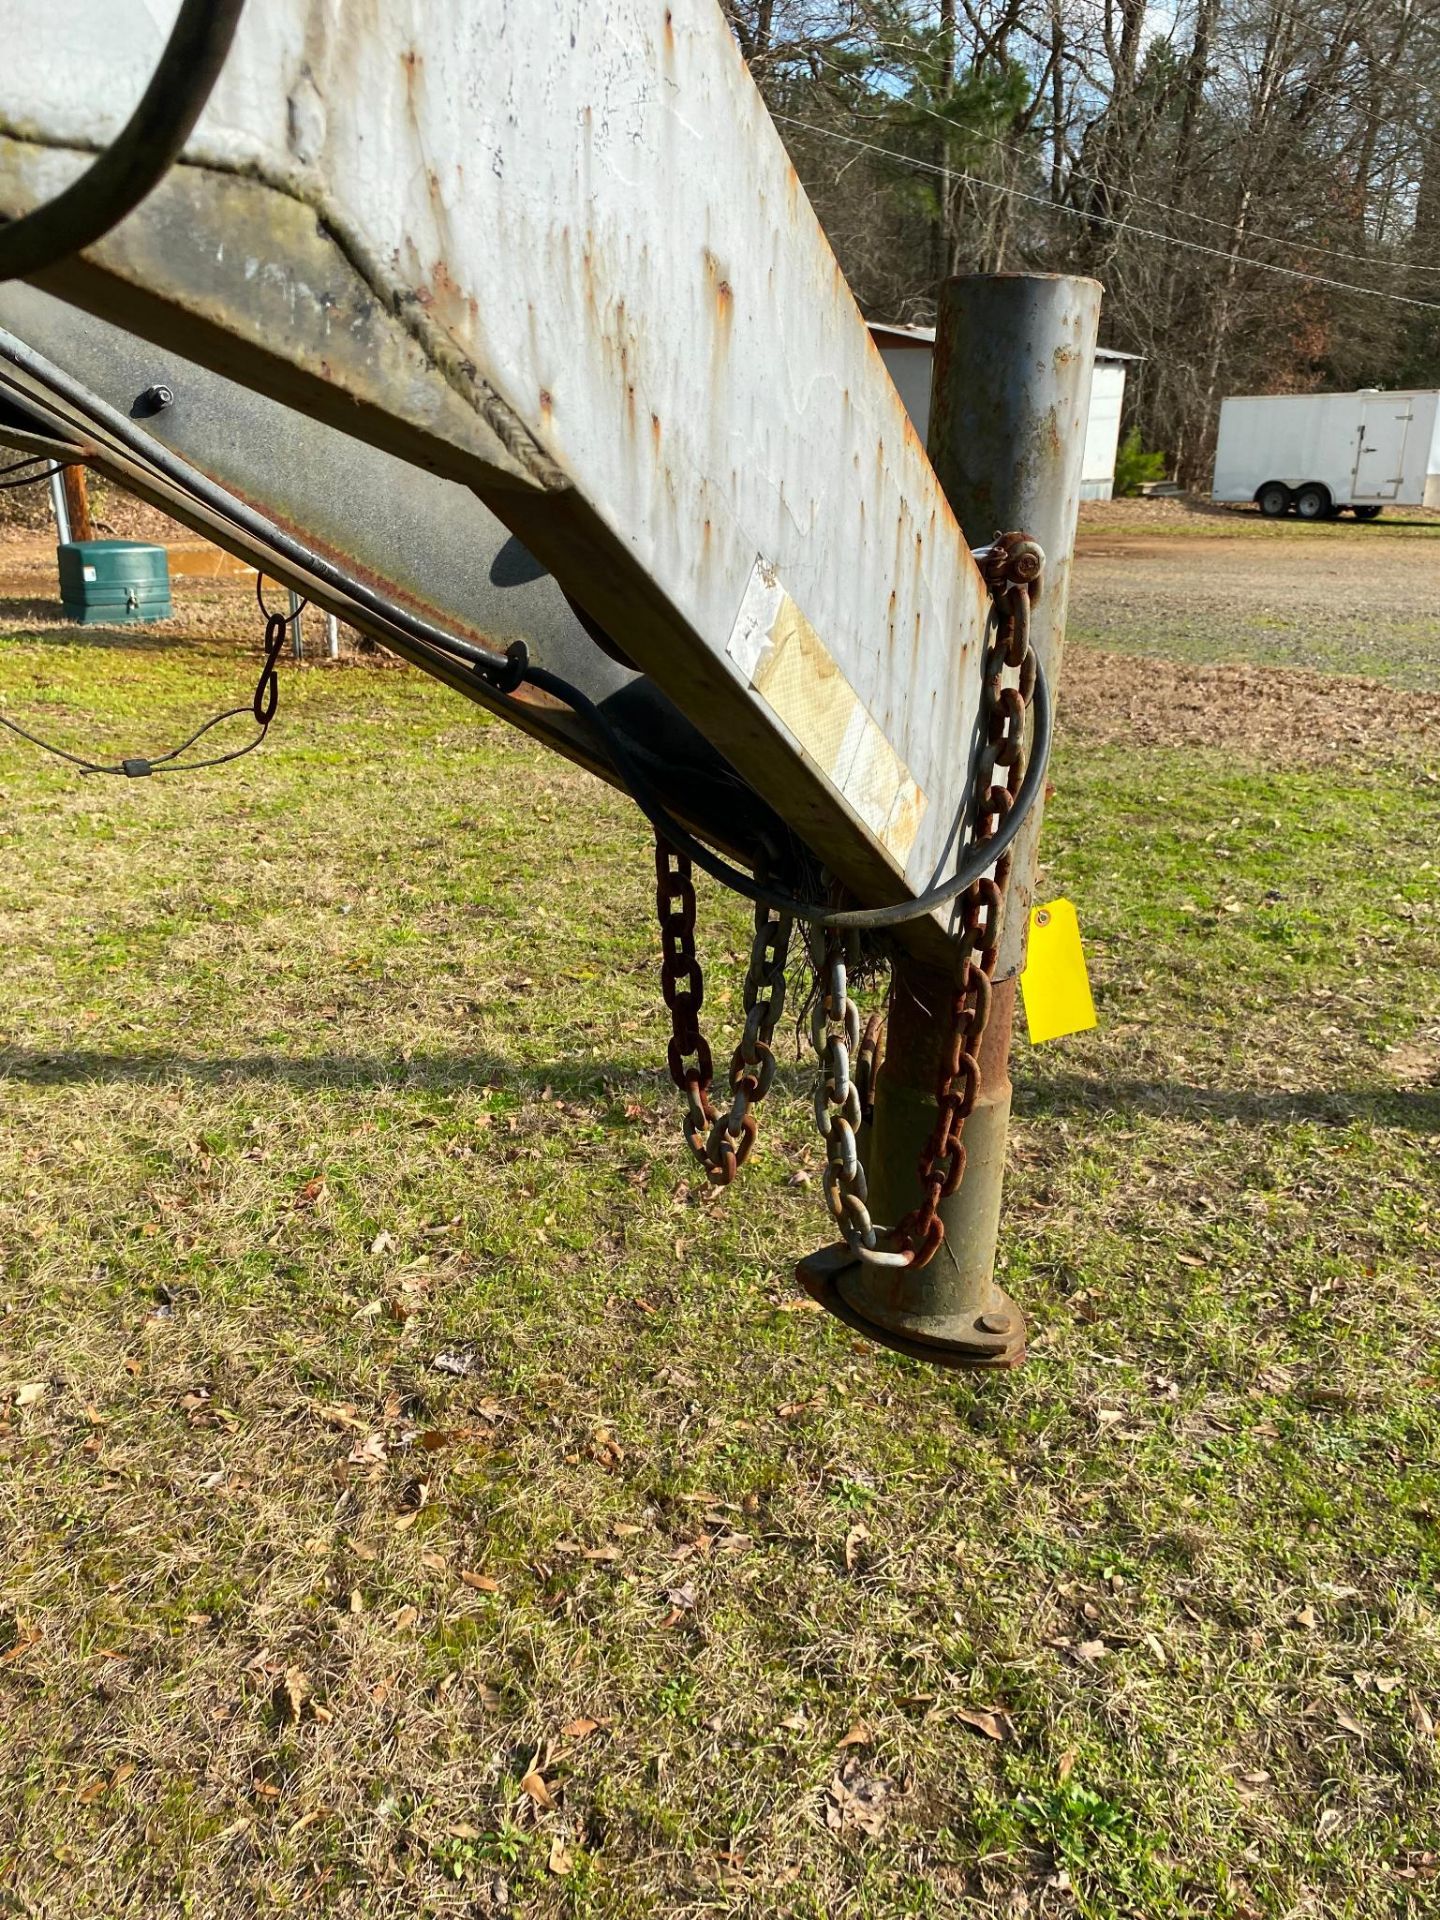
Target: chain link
x=721 y=1141
x=1012 y=565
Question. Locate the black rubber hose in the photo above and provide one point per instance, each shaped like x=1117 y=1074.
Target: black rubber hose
x=140 y=154
x=977 y=861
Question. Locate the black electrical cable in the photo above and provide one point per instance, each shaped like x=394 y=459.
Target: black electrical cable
x=977 y=861
x=261 y=709
x=30 y=460
x=9 y=486
x=138 y=157
x=501 y=674
x=289 y=618
x=504 y=676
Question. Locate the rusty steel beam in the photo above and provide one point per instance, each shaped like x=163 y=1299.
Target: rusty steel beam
x=557 y=253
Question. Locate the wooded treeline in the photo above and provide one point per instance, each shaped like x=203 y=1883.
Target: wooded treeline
x=1178 y=153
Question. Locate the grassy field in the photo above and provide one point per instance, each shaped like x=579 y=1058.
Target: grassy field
x=422 y=1499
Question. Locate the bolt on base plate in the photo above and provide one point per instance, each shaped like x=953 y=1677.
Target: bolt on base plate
x=989 y=1338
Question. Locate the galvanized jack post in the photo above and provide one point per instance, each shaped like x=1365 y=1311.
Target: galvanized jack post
x=1013 y=357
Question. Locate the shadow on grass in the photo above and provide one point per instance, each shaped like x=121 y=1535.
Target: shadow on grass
x=59 y=632
x=1414 y=1109
x=428 y=1073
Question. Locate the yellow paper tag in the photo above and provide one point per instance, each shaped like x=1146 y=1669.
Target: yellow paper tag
x=1055 y=985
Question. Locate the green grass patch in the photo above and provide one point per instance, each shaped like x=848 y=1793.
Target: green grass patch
x=411 y=1427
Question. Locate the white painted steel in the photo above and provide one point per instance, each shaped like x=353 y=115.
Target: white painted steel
x=1364 y=448
x=592 y=204
x=1102 y=429
x=60 y=507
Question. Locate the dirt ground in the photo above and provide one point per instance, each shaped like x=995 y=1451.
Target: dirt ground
x=1222 y=584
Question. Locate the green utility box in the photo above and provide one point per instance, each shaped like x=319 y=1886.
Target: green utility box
x=104 y=582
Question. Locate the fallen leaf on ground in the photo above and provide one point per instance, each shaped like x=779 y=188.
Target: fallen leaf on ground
x=858 y=1736
x=561 y=1859
x=582 y=1728
x=854 y=1541
x=993 y=1722
x=460 y=1364
x=32 y=1391
x=481 y=1582
x=856 y=1799
x=341 y=1417
x=291 y=1692
x=681 y=1598
x=1091 y=1650
x=534 y=1785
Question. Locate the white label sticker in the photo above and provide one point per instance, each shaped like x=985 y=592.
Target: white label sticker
x=87 y=573
x=788 y=667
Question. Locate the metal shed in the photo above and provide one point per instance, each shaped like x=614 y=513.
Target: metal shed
x=907 y=353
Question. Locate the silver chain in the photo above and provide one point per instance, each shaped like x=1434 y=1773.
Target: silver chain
x=1012 y=565
x=835 y=1036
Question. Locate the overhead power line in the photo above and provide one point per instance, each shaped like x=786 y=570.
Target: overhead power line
x=1108 y=220
x=1074 y=172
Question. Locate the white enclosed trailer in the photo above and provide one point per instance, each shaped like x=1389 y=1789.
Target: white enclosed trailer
x=1314 y=453
x=909 y=352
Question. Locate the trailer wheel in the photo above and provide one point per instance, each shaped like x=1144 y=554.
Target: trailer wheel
x=1312 y=502
x=1366 y=513
x=1273 y=499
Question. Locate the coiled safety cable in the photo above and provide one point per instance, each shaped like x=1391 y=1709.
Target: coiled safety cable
x=261 y=708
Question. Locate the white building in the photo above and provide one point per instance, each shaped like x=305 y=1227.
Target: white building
x=908 y=352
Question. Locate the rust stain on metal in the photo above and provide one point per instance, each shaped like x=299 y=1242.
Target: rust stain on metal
x=723 y=296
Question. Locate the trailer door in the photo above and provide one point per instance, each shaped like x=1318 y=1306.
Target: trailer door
x=1380 y=454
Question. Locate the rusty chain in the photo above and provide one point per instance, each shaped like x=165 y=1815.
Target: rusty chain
x=848 y=1060
x=721 y=1141
x=1012 y=567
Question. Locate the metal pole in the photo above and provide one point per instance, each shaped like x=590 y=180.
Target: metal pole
x=61 y=508
x=1013 y=359
x=297 y=636
x=332 y=637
